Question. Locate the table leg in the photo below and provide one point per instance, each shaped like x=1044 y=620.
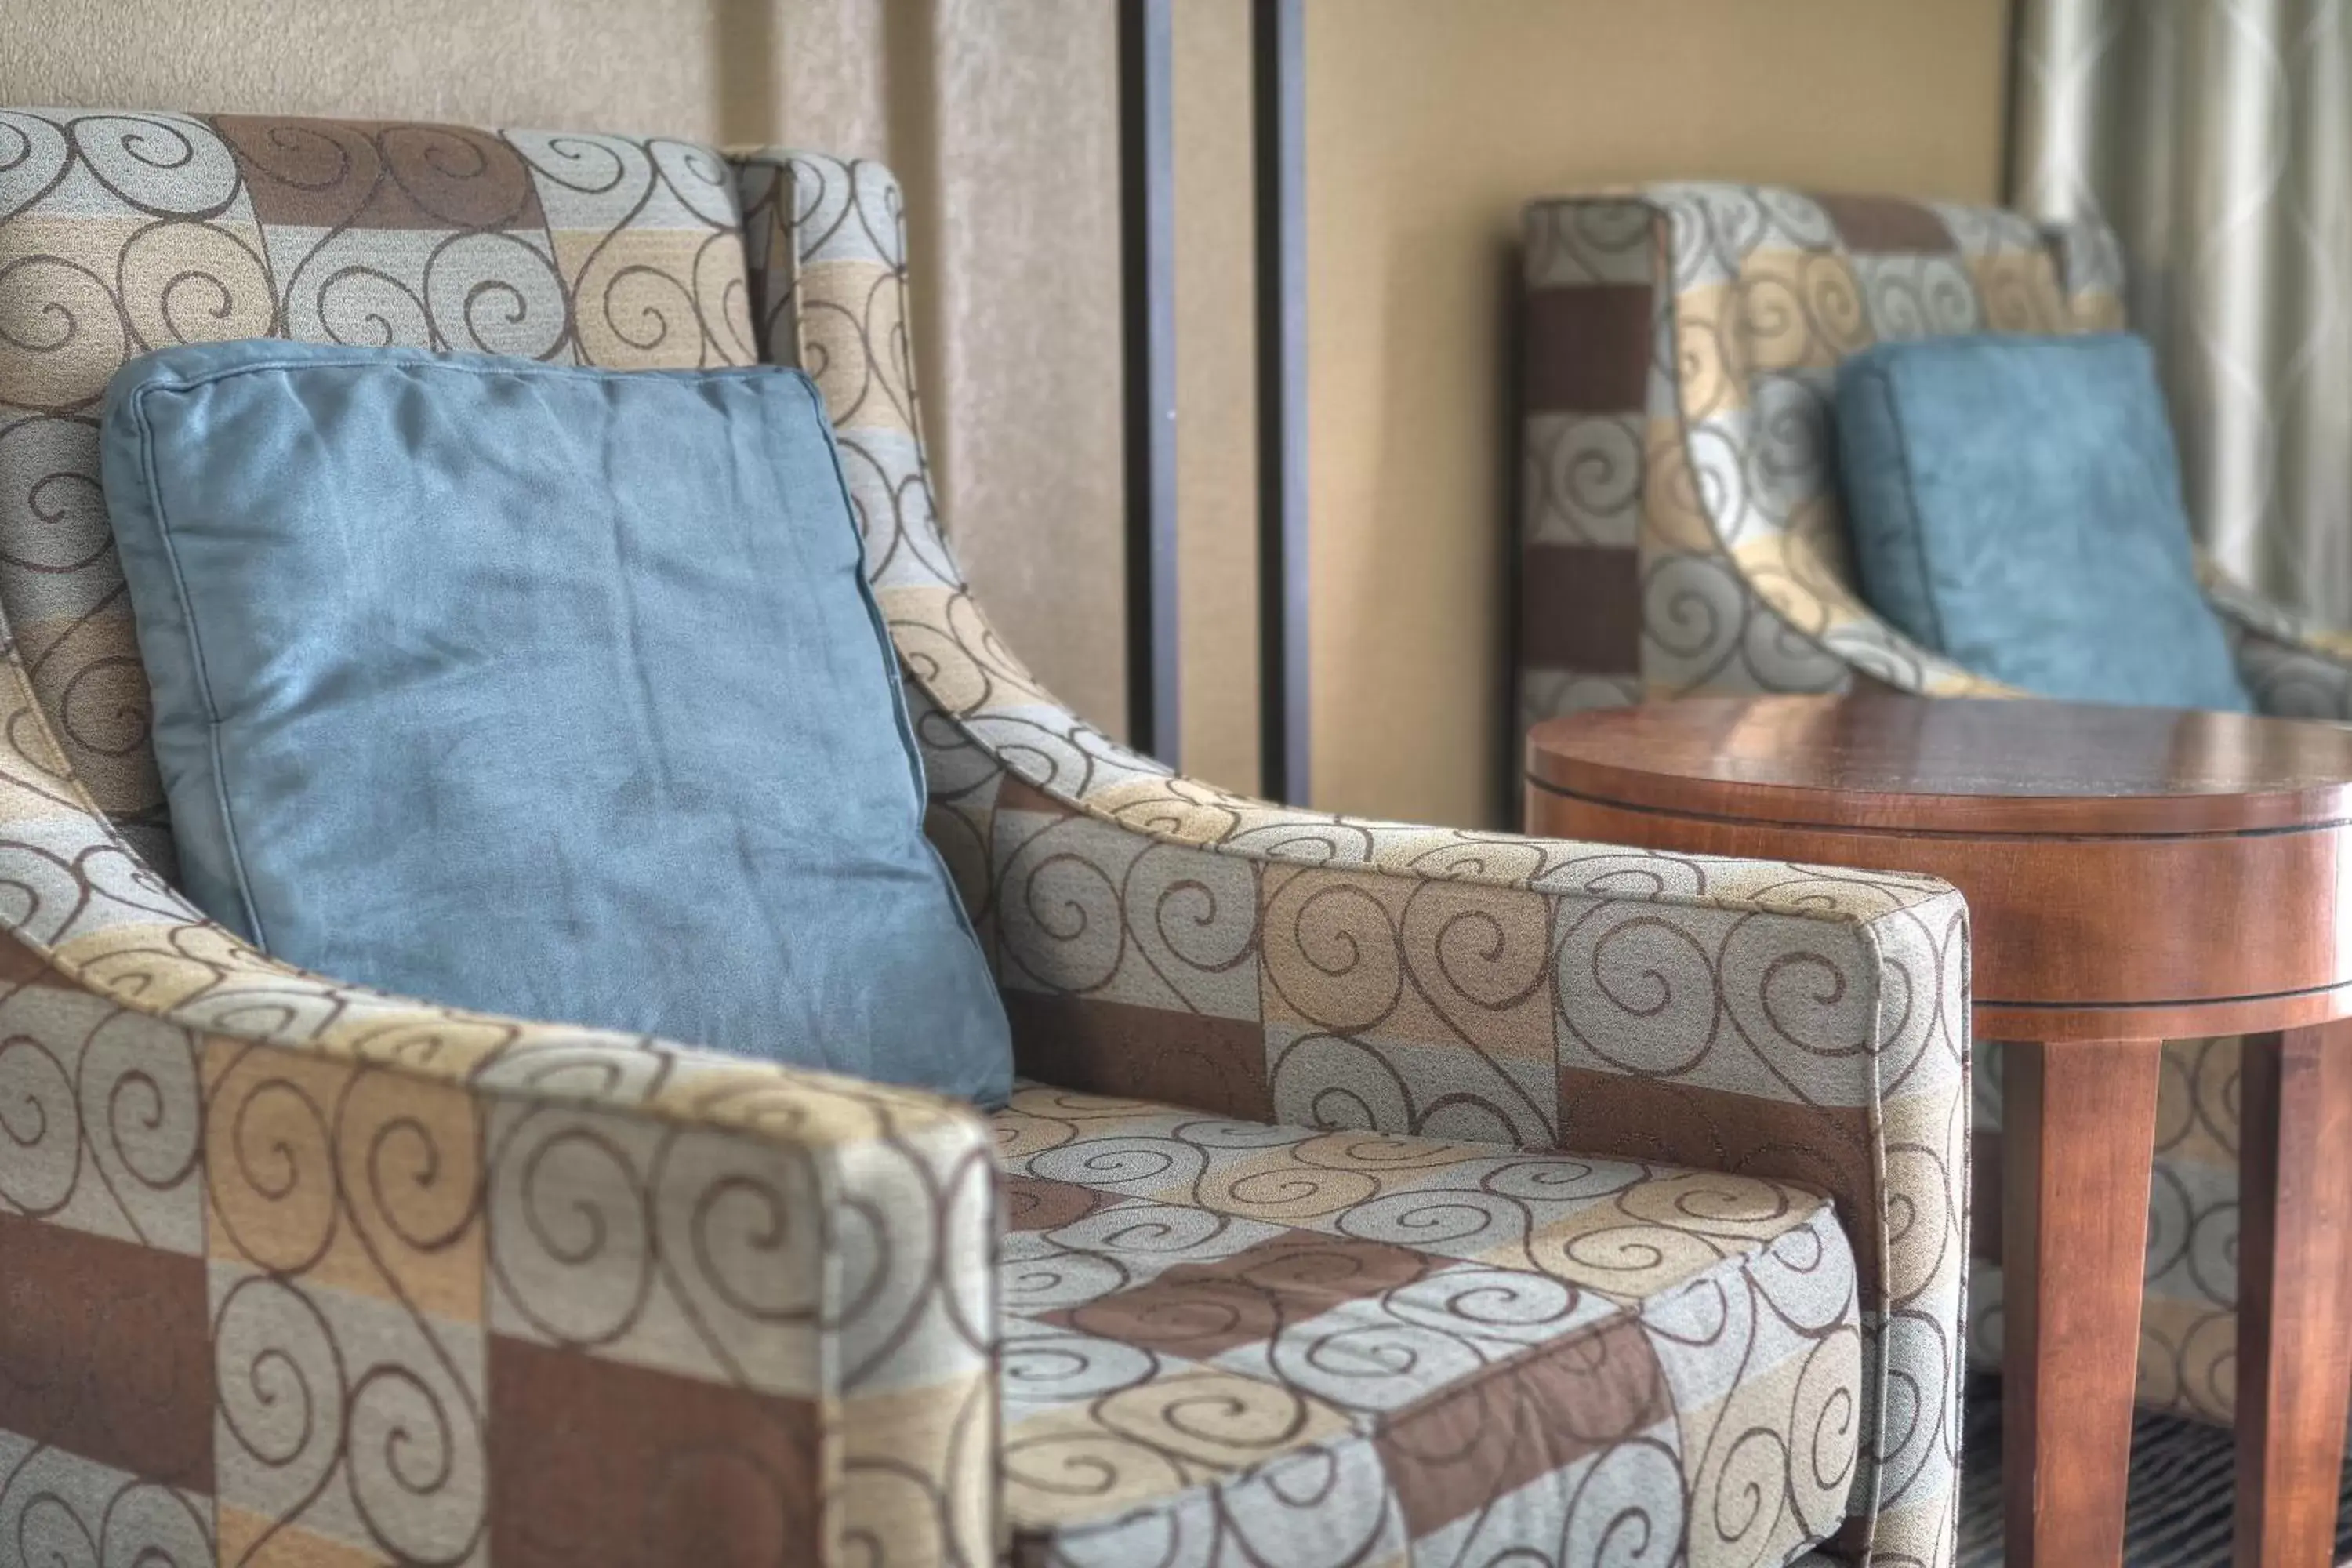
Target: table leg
x=2294 y=1293
x=2078 y=1134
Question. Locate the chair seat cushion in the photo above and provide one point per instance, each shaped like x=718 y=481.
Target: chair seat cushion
x=2015 y=505
x=545 y=690
x=1234 y=1342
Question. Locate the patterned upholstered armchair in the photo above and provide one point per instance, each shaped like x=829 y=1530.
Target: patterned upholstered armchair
x=1280 y=1256
x=1681 y=534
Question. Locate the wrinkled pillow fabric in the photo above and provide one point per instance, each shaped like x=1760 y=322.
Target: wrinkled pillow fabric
x=2015 y=505
x=545 y=690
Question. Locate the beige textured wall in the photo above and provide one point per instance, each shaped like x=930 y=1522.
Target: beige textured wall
x=624 y=64
x=1428 y=126
x=1216 y=394
x=1000 y=114
x=1021 y=269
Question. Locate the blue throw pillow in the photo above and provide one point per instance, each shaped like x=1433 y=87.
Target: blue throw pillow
x=543 y=691
x=2015 y=505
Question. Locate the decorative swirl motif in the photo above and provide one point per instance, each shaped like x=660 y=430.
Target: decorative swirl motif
x=103 y=706
x=325 y=1177
x=273 y=1188
x=281 y=1408
x=1789 y=460
x=1595 y=242
x=52 y=1511
x=566 y=1199
x=138 y=1109
x=38 y=1118
x=166 y=165
x=55 y=461
x=415 y=1452
x=1919 y=297
x=1349 y=975
x=1630 y=962
x=64 y=338
x=459 y=178
x=496 y=292
x=33 y=157
x=648 y=317
x=184 y=282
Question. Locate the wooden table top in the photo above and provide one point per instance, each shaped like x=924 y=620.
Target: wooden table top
x=1952 y=765
x=2131 y=873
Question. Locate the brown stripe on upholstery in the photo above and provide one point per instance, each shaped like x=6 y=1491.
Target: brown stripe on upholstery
x=1201 y=1310
x=1824 y=1148
x=20 y=965
x=1142 y=1053
x=594 y=1464
x=332 y=174
x=1588 y=348
x=1886 y=222
x=1017 y=793
x=1580 y=608
x=1535 y=1415
x=1039 y=1202
x=104 y=1352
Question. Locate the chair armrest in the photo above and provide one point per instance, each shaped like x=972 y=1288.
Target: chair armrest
x=1159 y=938
x=1440 y=981
x=394 y=1279
x=2294 y=666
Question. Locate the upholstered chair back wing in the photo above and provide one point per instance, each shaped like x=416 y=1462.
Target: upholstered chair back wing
x=826 y=242
x=1679 y=521
x=125 y=232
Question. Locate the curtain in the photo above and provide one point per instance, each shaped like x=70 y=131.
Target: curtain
x=2215 y=137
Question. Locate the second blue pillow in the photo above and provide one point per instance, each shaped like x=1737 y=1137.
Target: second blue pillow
x=2014 y=504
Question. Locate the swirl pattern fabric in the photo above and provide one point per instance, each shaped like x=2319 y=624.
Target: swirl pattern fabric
x=1160 y=939
x=125 y=232
x=1226 y=1342
x=1681 y=510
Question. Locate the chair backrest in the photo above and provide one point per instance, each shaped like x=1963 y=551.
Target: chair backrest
x=830 y=291
x=1679 y=528
x=828 y=247
x=125 y=232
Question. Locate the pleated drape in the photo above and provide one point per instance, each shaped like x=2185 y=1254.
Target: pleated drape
x=2215 y=137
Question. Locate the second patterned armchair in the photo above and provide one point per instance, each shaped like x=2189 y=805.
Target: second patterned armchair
x=1680 y=534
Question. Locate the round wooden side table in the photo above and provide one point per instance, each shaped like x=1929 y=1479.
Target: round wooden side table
x=2132 y=875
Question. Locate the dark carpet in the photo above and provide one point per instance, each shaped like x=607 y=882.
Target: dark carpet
x=2182 y=1477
